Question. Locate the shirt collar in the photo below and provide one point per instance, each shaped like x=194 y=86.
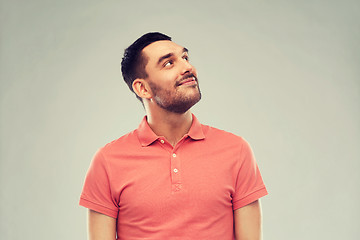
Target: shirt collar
x=196 y=130
x=147 y=136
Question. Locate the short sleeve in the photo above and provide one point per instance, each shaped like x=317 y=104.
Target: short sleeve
x=96 y=194
x=249 y=184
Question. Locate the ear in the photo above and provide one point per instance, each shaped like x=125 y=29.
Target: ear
x=141 y=88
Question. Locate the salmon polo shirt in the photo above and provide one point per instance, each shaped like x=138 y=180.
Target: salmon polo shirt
x=159 y=191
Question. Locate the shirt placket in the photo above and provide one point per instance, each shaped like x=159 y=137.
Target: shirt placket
x=175 y=168
x=175 y=164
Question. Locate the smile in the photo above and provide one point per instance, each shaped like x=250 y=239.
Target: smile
x=188 y=81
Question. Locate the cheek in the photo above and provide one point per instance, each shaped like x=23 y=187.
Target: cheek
x=194 y=71
x=165 y=81
x=170 y=78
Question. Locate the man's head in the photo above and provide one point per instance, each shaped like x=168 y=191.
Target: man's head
x=157 y=69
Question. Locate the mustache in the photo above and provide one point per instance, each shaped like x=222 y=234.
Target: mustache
x=188 y=75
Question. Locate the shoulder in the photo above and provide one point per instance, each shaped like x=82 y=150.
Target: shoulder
x=122 y=144
x=216 y=134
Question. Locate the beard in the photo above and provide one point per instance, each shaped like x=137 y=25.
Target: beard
x=179 y=100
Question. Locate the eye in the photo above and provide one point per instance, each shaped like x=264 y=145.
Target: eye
x=186 y=57
x=168 y=63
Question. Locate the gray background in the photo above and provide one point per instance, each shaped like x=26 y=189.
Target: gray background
x=282 y=74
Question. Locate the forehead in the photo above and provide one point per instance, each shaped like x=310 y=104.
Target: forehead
x=158 y=49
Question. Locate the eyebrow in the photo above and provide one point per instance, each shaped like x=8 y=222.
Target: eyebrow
x=185 y=50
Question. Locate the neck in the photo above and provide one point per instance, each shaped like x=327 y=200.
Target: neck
x=173 y=126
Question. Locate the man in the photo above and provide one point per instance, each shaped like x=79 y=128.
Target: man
x=172 y=178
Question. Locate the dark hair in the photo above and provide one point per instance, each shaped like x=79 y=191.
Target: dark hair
x=133 y=63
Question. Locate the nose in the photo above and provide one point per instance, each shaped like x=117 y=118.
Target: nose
x=187 y=67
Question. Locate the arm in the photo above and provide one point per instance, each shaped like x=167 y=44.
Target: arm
x=247 y=222
x=100 y=226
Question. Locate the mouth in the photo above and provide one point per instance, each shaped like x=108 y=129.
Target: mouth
x=188 y=81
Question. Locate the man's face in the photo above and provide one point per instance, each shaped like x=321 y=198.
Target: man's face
x=172 y=79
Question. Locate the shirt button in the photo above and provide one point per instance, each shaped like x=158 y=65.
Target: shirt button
x=174 y=155
x=162 y=141
x=175 y=170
